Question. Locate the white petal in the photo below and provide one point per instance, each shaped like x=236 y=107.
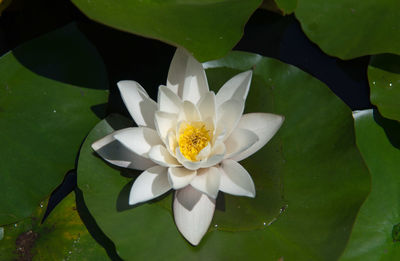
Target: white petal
x=168 y=101
x=236 y=88
x=186 y=77
x=239 y=141
x=219 y=135
x=264 y=125
x=228 y=116
x=207 y=181
x=210 y=123
x=236 y=180
x=216 y=156
x=114 y=152
x=164 y=123
x=180 y=177
x=160 y=155
x=189 y=112
x=139 y=104
x=192 y=165
x=207 y=106
x=152 y=183
x=138 y=139
x=171 y=143
x=193 y=213
x=204 y=153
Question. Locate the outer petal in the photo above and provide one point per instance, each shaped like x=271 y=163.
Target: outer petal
x=160 y=155
x=150 y=184
x=139 y=104
x=164 y=123
x=186 y=77
x=207 y=181
x=228 y=116
x=239 y=141
x=168 y=101
x=114 y=152
x=236 y=180
x=264 y=125
x=193 y=213
x=180 y=177
x=138 y=139
x=236 y=88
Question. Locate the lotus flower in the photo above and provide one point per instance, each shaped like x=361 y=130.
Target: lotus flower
x=190 y=140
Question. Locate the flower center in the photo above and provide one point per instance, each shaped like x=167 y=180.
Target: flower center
x=192 y=140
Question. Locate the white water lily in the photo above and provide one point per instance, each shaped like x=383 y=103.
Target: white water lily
x=190 y=140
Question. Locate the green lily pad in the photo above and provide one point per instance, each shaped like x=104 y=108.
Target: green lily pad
x=50 y=91
x=384 y=80
x=208 y=29
x=62 y=236
x=313 y=157
x=350 y=28
x=287 y=6
x=376 y=232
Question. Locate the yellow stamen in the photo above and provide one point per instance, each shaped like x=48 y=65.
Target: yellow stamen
x=192 y=140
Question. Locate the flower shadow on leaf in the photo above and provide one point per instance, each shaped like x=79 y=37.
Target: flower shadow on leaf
x=123 y=196
x=99 y=110
x=93 y=228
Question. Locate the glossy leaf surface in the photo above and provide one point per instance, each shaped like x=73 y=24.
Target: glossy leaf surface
x=348 y=28
x=375 y=234
x=384 y=81
x=208 y=29
x=287 y=6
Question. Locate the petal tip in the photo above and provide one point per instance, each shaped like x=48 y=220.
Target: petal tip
x=193 y=241
x=132 y=200
x=249 y=72
x=193 y=212
x=95 y=146
x=124 y=84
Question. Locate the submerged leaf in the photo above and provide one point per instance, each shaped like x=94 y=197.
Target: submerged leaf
x=62 y=236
